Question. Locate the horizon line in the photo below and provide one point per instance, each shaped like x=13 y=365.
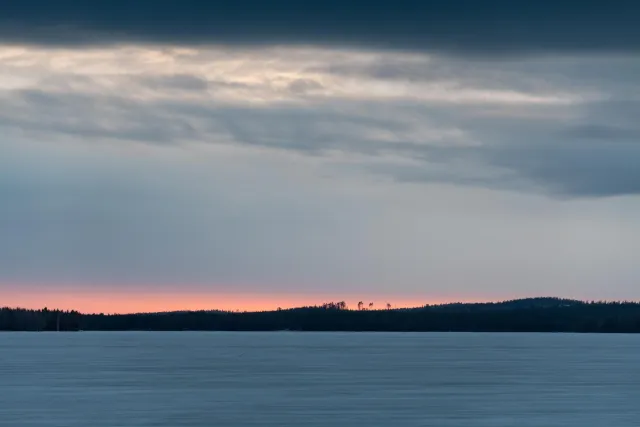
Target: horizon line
x=346 y=307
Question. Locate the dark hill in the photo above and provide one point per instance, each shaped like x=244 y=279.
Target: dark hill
x=523 y=315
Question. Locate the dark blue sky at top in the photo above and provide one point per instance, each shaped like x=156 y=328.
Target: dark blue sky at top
x=471 y=26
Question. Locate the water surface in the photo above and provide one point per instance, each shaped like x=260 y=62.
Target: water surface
x=318 y=379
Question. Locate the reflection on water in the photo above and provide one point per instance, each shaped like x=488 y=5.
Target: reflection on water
x=318 y=379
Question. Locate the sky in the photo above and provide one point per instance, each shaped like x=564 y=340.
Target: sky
x=164 y=155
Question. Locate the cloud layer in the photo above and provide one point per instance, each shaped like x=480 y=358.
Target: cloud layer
x=556 y=126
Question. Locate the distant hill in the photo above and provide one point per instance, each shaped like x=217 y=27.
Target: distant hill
x=540 y=302
x=522 y=315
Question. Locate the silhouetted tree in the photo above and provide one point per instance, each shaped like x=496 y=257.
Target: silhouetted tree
x=527 y=315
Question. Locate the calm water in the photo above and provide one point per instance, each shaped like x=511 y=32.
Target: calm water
x=332 y=379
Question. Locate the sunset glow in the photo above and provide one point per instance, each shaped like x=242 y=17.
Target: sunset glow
x=140 y=301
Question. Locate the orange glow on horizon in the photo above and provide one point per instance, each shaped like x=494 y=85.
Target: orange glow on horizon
x=158 y=301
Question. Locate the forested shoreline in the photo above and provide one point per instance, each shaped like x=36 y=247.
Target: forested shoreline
x=524 y=315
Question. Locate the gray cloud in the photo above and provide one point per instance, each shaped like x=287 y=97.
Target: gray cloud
x=604 y=133
x=595 y=155
x=175 y=81
x=579 y=169
x=494 y=26
x=303 y=86
x=76 y=115
x=566 y=160
x=542 y=125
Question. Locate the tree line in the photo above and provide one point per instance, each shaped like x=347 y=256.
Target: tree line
x=524 y=315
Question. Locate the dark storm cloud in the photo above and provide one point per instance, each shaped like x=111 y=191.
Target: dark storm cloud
x=497 y=26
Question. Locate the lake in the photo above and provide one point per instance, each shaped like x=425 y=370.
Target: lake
x=318 y=379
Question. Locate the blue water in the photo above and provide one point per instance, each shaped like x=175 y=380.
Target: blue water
x=318 y=379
